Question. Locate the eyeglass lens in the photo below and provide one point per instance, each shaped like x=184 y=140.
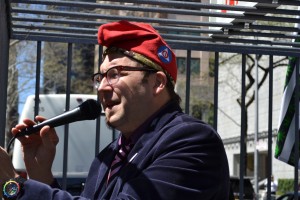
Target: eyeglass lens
x=112 y=75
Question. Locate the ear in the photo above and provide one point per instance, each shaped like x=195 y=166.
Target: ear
x=160 y=82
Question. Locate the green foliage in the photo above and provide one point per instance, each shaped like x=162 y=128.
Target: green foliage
x=203 y=110
x=55 y=68
x=285 y=185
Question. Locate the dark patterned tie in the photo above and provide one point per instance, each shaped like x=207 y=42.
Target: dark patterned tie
x=119 y=160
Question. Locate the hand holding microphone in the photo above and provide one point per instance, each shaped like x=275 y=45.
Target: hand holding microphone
x=88 y=110
x=39 y=151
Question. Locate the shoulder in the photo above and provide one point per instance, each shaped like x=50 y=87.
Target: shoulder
x=191 y=136
x=188 y=126
x=188 y=134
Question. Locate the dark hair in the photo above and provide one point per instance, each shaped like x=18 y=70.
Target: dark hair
x=174 y=96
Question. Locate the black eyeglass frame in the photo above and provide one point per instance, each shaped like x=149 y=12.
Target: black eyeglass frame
x=96 y=81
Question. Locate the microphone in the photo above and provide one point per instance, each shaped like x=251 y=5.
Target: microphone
x=88 y=110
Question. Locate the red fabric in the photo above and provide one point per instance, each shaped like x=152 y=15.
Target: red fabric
x=140 y=38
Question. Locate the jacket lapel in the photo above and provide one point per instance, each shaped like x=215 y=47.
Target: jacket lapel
x=100 y=186
x=137 y=160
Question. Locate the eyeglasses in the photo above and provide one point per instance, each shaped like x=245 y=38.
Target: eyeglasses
x=113 y=74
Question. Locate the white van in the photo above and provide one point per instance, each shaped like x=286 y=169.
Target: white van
x=81 y=140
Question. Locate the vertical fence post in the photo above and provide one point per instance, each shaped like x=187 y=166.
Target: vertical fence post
x=297 y=87
x=256 y=124
x=216 y=90
x=188 y=82
x=98 y=121
x=66 y=131
x=270 y=133
x=243 y=128
x=37 y=77
x=4 y=55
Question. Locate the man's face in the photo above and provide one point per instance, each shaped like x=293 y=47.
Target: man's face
x=129 y=102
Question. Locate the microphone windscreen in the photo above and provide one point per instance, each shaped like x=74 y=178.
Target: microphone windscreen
x=90 y=109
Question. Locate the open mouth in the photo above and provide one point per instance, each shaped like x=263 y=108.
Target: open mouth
x=110 y=105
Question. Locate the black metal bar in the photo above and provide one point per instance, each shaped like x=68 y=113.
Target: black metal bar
x=4 y=55
x=39 y=27
x=296 y=146
x=131 y=8
x=243 y=130
x=188 y=82
x=270 y=133
x=247 y=49
x=30 y=27
x=223 y=39
x=58 y=21
x=174 y=4
x=194 y=5
x=259 y=34
x=246 y=18
x=8 y=17
x=57 y=34
x=181 y=37
x=186 y=45
x=138 y=19
x=216 y=89
x=240 y=17
x=55 y=39
x=37 y=78
x=98 y=121
x=287 y=29
x=66 y=127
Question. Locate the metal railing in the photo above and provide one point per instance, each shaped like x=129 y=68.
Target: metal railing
x=247 y=33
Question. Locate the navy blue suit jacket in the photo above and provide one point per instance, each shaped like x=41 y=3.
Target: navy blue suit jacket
x=178 y=157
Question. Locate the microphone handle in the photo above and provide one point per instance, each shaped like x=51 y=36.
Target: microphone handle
x=30 y=130
x=65 y=118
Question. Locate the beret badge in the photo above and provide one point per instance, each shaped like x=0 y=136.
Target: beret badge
x=164 y=54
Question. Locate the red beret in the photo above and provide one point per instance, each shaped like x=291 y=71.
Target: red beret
x=139 y=38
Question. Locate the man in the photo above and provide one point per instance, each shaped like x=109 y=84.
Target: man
x=161 y=153
x=273 y=185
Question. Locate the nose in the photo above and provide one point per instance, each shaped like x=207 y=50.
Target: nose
x=104 y=85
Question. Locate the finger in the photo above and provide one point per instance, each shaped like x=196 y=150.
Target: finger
x=19 y=127
x=26 y=123
x=49 y=137
x=40 y=118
